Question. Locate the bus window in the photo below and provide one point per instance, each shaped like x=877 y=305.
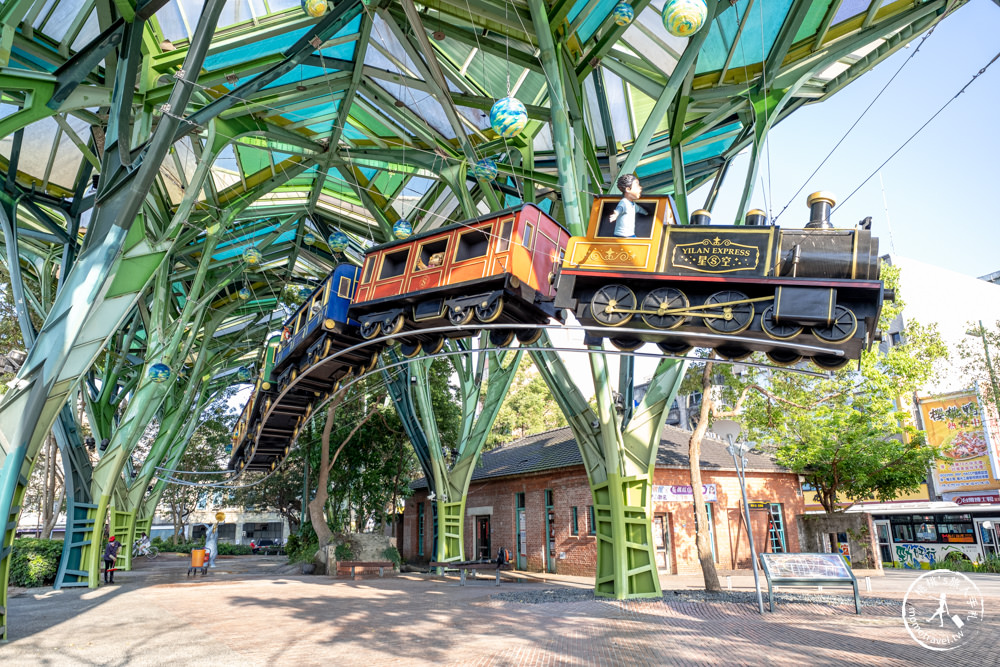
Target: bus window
x=926 y=532
x=902 y=532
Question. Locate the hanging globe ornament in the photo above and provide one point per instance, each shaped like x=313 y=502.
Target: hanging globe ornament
x=304 y=293
x=623 y=13
x=314 y=8
x=683 y=18
x=485 y=168
x=338 y=241
x=402 y=229
x=508 y=117
x=244 y=294
x=309 y=239
x=243 y=374
x=159 y=372
x=252 y=256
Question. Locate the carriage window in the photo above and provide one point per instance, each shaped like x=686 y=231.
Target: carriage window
x=643 y=223
x=472 y=244
x=369 y=267
x=431 y=254
x=529 y=236
x=902 y=532
x=344 y=289
x=504 y=243
x=394 y=264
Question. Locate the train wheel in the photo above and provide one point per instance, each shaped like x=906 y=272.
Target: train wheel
x=434 y=345
x=501 y=337
x=613 y=305
x=733 y=352
x=842 y=328
x=830 y=362
x=369 y=330
x=660 y=300
x=674 y=347
x=491 y=311
x=528 y=336
x=784 y=357
x=410 y=349
x=393 y=325
x=735 y=314
x=460 y=316
x=775 y=330
x=627 y=344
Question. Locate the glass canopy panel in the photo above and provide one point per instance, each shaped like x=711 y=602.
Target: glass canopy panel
x=759 y=32
x=258 y=48
x=594 y=20
x=850 y=8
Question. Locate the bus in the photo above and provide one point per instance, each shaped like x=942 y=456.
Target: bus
x=917 y=535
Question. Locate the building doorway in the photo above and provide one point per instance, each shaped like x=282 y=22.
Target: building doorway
x=661 y=542
x=522 y=533
x=483 y=549
x=884 y=537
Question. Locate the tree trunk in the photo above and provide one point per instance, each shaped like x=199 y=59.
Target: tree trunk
x=703 y=539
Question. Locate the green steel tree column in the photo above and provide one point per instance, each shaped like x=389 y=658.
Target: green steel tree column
x=562 y=138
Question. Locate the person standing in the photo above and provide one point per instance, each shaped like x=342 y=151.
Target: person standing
x=110 y=556
x=624 y=215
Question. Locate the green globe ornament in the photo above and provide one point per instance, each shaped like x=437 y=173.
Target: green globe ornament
x=252 y=256
x=243 y=374
x=309 y=239
x=304 y=293
x=683 y=18
x=623 y=13
x=508 y=117
x=338 y=241
x=485 y=168
x=159 y=372
x=244 y=294
x=402 y=229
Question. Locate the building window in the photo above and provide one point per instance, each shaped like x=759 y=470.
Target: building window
x=574 y=528
x=420 y=529
x=591 y=522
x=548 y=498
x=520 y=501
x=776 y=529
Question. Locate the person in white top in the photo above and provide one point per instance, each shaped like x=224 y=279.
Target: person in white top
x=624 y=215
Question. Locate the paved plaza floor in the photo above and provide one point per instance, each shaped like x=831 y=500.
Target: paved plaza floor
x=249 y=612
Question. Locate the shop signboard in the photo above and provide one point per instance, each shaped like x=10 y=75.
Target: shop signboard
x=682 y=494
x=954 y=425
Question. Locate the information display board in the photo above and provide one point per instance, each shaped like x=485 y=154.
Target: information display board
x=808 y=570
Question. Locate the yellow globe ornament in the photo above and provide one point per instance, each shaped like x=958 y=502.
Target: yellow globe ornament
x=220 y=516
x=314 y=8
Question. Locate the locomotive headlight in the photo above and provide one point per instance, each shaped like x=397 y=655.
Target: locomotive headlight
x=329 y=323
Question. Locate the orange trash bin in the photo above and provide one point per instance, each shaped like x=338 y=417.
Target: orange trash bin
x=198 y=558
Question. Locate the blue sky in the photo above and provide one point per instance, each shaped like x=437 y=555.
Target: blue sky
x=941 y=189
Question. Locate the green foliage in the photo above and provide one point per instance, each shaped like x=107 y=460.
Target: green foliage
x=34 y=562
x=848 y=434
x=301 y=549
x=230 y=549
x=989 y=565
x=180 y=547
x=528 y=408
x=979 y=352
x=392 y=554
x=344 y=552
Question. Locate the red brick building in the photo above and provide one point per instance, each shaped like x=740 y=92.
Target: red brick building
x=532 y=497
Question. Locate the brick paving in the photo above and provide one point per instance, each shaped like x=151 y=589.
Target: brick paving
x=261 y=616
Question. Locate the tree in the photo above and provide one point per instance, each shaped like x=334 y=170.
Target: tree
x=978 y=355
x=528 y=408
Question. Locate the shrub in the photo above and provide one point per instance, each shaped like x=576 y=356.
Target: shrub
x=392 y=553
x=301 y=550
x=34 y=562
x=229 y=549
x=181 y=548
x=344 y=552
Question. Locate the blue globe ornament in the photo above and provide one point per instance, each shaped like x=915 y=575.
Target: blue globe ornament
x=243 y=374
x=338 y=241
x=623 y=13
x=252 y=256
x=305 y=292
x=244 y=293
x=314 y=8
x=159 y=372
x=309 y=239
x=508 y=117
x=485 y=168
x=402 y=229
x=683 y=18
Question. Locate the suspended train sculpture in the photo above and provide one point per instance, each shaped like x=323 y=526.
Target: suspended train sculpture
x=792 y=294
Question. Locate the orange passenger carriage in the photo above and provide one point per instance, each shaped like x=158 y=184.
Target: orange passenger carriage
x=498 y=268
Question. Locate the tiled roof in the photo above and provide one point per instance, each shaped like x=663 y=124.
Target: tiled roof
x=558 y=449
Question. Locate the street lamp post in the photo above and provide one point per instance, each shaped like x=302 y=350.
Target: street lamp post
x=730 y=430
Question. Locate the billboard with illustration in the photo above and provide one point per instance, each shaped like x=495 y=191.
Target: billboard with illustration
x=953 y=424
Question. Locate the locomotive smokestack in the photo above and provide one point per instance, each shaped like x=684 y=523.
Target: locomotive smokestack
x=701 y=217
x=755 y=218
x=820 y=204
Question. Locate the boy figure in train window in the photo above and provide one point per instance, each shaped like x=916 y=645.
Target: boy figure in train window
x=624 y=215
x=437 y=259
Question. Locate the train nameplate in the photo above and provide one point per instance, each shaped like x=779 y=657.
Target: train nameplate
x=717 y=251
